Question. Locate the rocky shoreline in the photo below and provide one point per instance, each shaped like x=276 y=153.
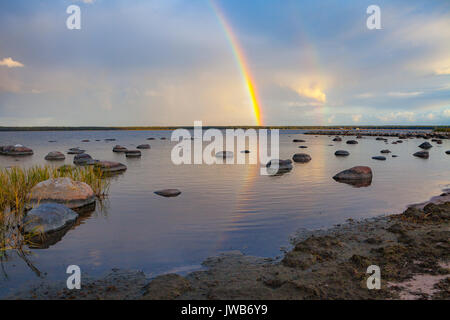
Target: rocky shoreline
x=412 y=250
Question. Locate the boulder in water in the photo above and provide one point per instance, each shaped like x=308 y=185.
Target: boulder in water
x=301 y=157
x=16 y=151
x=133 y=154
x=355 y=176
x=73 y=194
x=168 y=193
x=143 y=146
x=341 y=153
x=224 y=154
x=55 y=156
x=426 y=145
x=111 y=166
x=49 y=217
x=422 y=154
x=119 y=149
x=75 y=151
x=84 y=159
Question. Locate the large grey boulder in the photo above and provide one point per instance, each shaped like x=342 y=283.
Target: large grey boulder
x=49 y=217
x=73 y=194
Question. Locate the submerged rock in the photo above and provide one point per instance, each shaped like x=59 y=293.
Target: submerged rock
x=379 y=158
x=245 y=151
x=301 y=157
x=422 y=154
x=341 y=153
x=168 y=193
x=49 y=217
x=55 y=156
x=303 y=147
x=73 y=194
x=298 y=140
x=385 y=151
x=119 y=149
x=133 y=154
x=426 y=145
x=143 y=146
x=337 y=139
x=447 y=152
x=17 y=150
x=352 y=142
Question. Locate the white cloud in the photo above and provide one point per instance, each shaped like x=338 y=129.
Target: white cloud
x=405 y=94
x=10 y=63
x=447 y=113
x=401 y=115
x=331 y=119
x=356 y=117
x=443 y=71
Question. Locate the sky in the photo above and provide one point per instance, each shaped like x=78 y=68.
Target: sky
x=171 y=62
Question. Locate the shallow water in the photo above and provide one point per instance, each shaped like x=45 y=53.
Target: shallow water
x=222 y=207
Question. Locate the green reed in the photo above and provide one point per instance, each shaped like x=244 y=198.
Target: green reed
x=15 y=186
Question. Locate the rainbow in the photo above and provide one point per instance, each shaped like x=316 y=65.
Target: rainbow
x=240 y=58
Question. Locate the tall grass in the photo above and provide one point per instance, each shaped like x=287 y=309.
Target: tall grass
x=16 y=183
x=15 y=186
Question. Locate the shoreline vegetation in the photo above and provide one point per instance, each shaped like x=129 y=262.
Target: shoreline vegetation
x=442 y=128
x=16 y=184
x=411 y=249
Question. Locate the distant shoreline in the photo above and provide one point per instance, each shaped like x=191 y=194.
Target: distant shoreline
x=154 y=128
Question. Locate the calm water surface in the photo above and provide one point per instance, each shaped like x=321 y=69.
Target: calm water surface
x=222 y=207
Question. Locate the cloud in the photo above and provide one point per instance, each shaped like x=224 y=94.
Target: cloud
x=446 y=113
x=395 y=116
x=312 y=92
x=356 y=117
x=10 y=63
x=443 y=71
x=404 y=94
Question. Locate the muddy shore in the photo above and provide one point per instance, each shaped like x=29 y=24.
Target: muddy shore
x=412 y=250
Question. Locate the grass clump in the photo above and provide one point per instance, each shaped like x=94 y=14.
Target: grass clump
x=15 y=186
x=16 y=183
